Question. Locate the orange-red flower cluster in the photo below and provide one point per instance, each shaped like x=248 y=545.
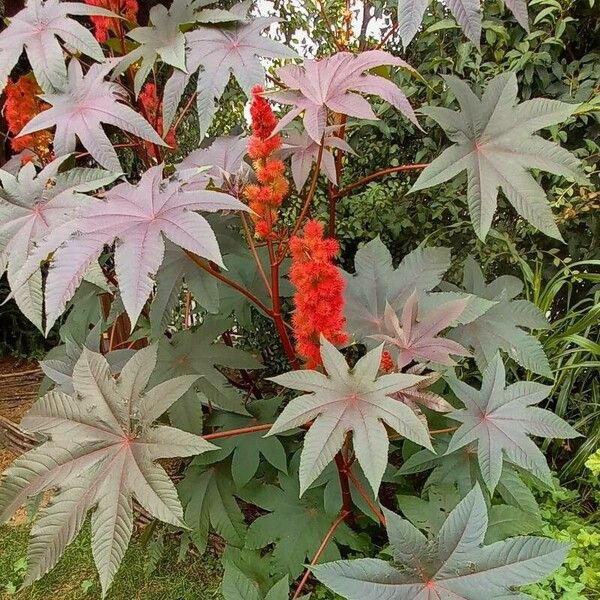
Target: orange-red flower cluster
x=103 y=26
x=319 y=301
x=22 y=104
x=265 y=197
x=152 y=107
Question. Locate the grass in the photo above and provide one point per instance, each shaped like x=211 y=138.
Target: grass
x=75 y=578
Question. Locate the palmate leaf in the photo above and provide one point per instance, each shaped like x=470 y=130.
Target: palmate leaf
x=348 y=400
x=217 y=53
x=221 y=163
x=198 y=352
x=295 y=527
x=246 y=576
x=207 y=493
x=248 y=449
x=304 y=152
x=410 y=338
x=494 y=142
x=501 y=326
x=101 y=453
x=499 y=419
x=376 y=283
x=33 y=204
x=78 y=110
x=164 y=39
x=466 y=12
x=139 y=217
x=336 y=83
x=35 y=30
x=452 y=565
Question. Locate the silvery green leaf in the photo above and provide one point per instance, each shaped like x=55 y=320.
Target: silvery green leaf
x=494 y=142
x=451 y=565
x=498 y=419
x=99 y=456
x=348 y=400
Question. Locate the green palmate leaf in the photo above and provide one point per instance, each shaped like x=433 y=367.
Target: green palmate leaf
x=501 y=326
x=494 y=142
x=247 y=449
x=498 y=419
x=296 y=527
x=100 y=454
x=247 y=576
x=429 y=514
x=466 y=12
x=176 y=268
x=348 y=400
x=207 y=494
x=453 y=565
x=198 y=352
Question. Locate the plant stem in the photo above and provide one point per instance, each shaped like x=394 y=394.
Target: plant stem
x=343 y=473
x=252 y=247
x=184 y=111
x=341 y=518
x=365 y=496
x=440 y=431
x=376 y=175
x=276 y=313
x=204 y=264
x=308 y=200
x=241 y=431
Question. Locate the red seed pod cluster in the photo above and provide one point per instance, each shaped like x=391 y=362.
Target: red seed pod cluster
x=387 y=362
x=266 y=196
x=153 y=108
x=22 y=104
x=104 y=26
x=319 y=300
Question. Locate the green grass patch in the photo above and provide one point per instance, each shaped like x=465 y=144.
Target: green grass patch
x=75 y=578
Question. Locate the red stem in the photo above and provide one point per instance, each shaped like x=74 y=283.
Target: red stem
x=343 y=473
x=365 y=496
x=319 y=552
x=203 y=264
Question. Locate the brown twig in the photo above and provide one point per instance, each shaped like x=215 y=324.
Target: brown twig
x=184 y=111
x=252 y=246
x=440 y=431
x=241 y=431
x=341 y=518
x=382 y=173
x=308 y=200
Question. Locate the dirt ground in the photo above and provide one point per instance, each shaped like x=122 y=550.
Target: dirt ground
x=19 y=382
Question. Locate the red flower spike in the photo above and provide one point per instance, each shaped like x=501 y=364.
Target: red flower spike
x=22 y=104
x=266 y=197
x=152 y=108
x=319 y=301
x=104 y=26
